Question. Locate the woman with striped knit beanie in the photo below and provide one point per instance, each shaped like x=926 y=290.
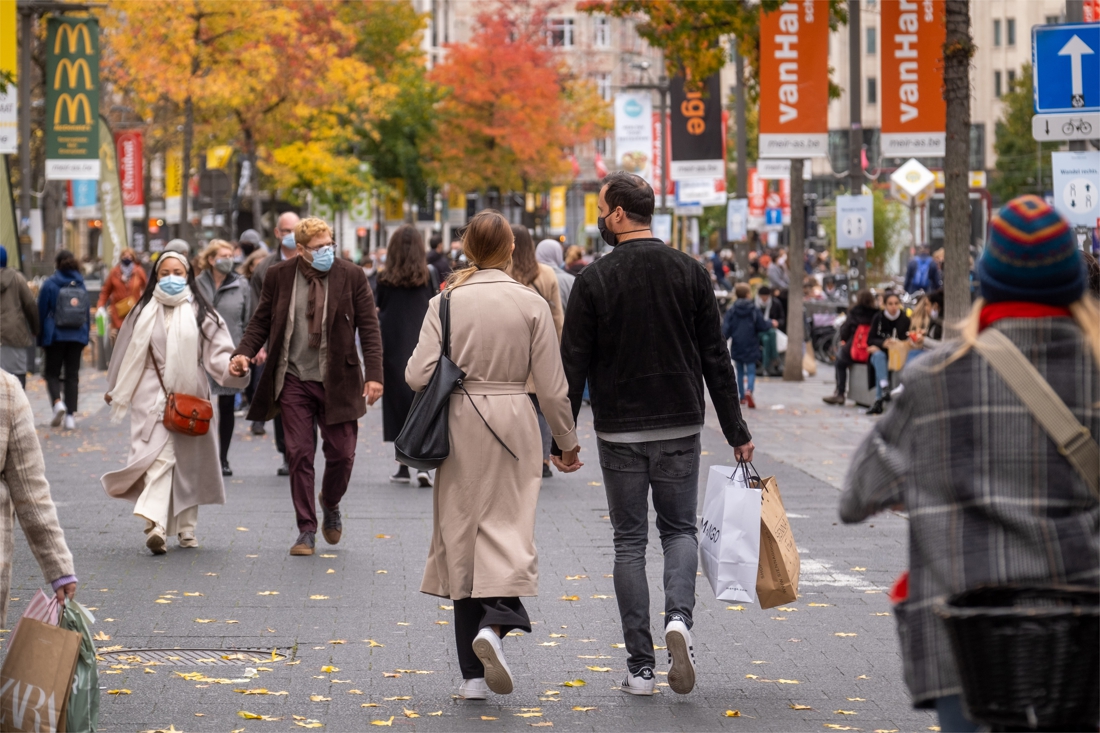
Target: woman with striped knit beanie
x=991 y=499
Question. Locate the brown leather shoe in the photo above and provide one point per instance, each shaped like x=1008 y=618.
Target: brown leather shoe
x=331 y=526
x=834 y=399
x=749 y=401
x=304 y=545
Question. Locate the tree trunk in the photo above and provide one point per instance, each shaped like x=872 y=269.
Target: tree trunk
x=185 y=169
x=957 y=51
x=796 y=255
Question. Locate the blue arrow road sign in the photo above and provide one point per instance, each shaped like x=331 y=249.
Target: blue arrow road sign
x=1066 y=60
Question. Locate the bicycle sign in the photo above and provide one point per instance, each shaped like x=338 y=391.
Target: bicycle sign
x=1065 y=126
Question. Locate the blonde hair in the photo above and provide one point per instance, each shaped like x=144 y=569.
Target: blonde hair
x=1086 y=312
x=487 y=244
x=210 y=250
x=309 y=228
x=922 y=316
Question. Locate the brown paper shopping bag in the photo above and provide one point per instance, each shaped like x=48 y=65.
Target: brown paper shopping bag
x=898 y=355
x=777 y=581
x=36 y=677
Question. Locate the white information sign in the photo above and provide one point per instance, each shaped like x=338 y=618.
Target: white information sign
x=855 y=222
x=634 y=133
x=1077 y=186
x=737 y=220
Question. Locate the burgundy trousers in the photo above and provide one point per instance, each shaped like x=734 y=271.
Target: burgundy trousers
x=303 y=404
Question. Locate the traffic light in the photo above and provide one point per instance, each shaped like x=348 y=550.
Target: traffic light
x=361 y=238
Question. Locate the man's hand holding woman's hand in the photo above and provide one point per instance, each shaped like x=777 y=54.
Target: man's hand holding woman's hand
x=238 y=365
x=569 y=462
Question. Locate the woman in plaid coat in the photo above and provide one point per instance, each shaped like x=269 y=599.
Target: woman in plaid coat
x=991 y=501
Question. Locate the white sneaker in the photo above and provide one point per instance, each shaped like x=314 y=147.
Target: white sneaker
x=474 y=689
x=424 y=479
x=488 y=649
x=70 y=422
x=59 y=411
x=156 y=541
x=642 y=683
x=681 y=656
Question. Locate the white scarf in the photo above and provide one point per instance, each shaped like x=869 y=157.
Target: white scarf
x=179 y=371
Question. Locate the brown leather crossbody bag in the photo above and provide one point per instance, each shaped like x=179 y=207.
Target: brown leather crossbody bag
x=183 y=413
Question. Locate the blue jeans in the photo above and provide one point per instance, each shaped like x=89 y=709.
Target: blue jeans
x=671 y=467
x=745 y=369
x=950 y=712
x=880 y=362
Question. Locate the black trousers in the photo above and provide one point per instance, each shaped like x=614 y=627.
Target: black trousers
x=226 y=422
x=843 y=361
x=474 y=614
x=64 y=355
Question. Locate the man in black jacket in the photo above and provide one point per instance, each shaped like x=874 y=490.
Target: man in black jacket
x=643 y=329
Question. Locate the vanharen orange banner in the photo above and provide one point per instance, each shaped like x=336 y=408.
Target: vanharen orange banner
x=914 y=113
x=794 y=80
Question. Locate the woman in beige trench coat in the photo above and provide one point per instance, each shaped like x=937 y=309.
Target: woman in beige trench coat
x=483 y=554
x=168 y=475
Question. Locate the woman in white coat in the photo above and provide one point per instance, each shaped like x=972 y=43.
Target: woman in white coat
x=173 y=335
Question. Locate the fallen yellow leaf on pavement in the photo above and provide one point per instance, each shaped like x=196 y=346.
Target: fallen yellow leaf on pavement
x=602 y=597
x=487 y=717
x=558 y=636
x=574 y=683
x=192 y=594
x=255 y=716
x=549 y=643
x=542 y=724
x=382 y=536
x=328 y=555
x=413 y=671
x=100 y=636
x=845 y=712
x=268 y=593
x=599 y=669
x=886 y=730
x=819 y=605
x=369 y=705
x=401 y=697
x=787 y=608
x=859 y=569
x=319 y=698
x=436 y=714
x=442 y=623
x=372 y=642
x=863 y=677
x=338 y=641
x=447 y=608
x=575 y=577
x=881 y=614
x=733 y=713
x=355 y=692
x=618 y=646
x=410 y=713
x=383 y=722
x=309 y=723
x=570 y=598
x=206 y=620
x=841 y=633
x=330 y=571
x=330 y=669
x=242 y=529
x=291 y=664
x=527 y=715
x=799 y=707
x=834 y=726
x=857 y=699
x=161 y=600
x=735 y=608
x=582 y=709
x=118 y=692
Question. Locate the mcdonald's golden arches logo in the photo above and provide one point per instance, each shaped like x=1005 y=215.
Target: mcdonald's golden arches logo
x=74 y=34
x=72 y=71
x=73 y=105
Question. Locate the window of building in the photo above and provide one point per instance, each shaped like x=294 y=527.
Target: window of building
x=559 y=32
x=602 y=32
x=603 y=85
x=997 y=32
x=977 y=147
x=872 y=42
x=1010 y=86
x=1052 y=20
x=603 y=145
x=872 y=90
x=1010 y=31
x=997 y=91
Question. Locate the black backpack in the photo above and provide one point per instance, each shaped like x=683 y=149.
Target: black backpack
x=71 y=310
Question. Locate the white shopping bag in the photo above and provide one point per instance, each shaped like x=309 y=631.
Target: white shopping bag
x=780 y=342
x=729 y=533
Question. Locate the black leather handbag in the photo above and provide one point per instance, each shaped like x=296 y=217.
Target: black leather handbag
x=424 y=442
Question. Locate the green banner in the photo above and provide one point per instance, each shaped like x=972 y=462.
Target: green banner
x=113 y=236
x=72 y=99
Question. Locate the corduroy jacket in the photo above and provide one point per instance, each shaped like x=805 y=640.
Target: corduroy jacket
x=990 y=499
x=643 y=329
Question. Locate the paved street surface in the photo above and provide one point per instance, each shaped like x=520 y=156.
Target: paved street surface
x=363 y=646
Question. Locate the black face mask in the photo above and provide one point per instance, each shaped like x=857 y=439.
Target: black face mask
x=605 y=234
x=126 y=261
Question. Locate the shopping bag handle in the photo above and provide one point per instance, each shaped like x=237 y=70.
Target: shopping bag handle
x=744 y=468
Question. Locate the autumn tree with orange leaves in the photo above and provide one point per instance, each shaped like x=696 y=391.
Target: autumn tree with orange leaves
x=512 y=110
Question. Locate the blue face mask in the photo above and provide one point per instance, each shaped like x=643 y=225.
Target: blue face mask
x=288 y=241
x=323 y=258
x=172 y=284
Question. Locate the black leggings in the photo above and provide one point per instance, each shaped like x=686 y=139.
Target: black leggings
x=64 y=355
x=474 y=614
x=225 y=423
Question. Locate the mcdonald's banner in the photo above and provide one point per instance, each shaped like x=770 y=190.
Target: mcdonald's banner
x=113 y=237
x=794 y=80
x=8 y=116
x=72 y=99
x=393 y=207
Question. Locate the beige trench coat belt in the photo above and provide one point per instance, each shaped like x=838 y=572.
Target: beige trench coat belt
x=495 y=388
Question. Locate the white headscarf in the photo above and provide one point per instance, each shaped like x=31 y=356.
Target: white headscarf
x=182 y=355
x=549 y=253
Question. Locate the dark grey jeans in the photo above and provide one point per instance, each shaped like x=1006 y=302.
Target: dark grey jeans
x=671 y=467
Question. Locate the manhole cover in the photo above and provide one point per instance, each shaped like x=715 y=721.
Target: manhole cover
x=192 y=657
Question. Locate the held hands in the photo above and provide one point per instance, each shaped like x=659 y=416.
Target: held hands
x=372 y=391
x=238 y=365
x=260 y=357
x=743 y=453
x=66 y=592
x=568 y=462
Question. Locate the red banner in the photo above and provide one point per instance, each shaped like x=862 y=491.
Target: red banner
x=130 y=169
x=1091 y=11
